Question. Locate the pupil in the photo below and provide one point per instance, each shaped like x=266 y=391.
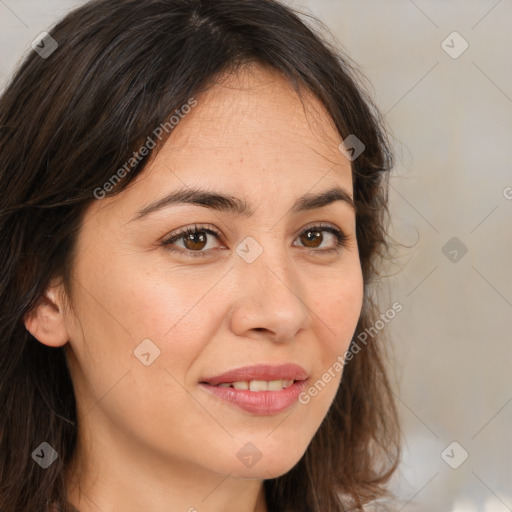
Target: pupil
x=190 y=239
x=314 y=236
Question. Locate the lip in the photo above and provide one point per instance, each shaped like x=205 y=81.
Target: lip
x=263 y=403
x=259 y=372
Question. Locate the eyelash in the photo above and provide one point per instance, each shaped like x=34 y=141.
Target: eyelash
x=341 y=239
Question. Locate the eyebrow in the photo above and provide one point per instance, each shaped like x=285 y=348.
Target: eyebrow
x=223 y=203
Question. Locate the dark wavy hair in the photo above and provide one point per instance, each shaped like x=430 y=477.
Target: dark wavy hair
x=68 y=121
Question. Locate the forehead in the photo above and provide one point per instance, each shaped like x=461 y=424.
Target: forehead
x=253 y=123
x=253 y=107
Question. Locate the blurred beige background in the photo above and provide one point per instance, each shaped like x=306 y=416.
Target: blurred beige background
x=449 y=109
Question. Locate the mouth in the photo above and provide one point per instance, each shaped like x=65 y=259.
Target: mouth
x=257 y=385
x=261 y=389
x=260 y=377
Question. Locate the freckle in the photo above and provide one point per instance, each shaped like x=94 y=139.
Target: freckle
x=241 y=159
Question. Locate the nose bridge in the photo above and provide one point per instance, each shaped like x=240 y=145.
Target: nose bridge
x=267 y=261
x=270 y=294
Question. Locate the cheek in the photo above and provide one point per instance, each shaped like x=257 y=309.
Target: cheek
x=178 y=314
x=120 y=304
x=337 y=306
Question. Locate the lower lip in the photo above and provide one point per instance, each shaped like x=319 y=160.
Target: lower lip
x=263 y=403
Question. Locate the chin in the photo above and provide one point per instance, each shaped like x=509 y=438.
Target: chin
x=272 y=466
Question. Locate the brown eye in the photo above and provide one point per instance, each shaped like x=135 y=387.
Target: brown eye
x=312 y=238
x=195 y=241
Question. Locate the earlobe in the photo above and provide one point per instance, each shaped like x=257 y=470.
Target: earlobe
x=46 y=321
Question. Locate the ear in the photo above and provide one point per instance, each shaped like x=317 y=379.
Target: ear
x=46 y=321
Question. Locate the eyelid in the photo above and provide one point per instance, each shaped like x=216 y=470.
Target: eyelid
x=340 y=235
x=187 y=229
x=181 y=232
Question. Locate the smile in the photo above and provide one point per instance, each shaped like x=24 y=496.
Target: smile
x=259 y=385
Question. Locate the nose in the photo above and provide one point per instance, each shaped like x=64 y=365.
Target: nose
x=270 y=298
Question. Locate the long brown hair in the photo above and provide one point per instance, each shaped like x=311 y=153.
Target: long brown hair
x=69 y=120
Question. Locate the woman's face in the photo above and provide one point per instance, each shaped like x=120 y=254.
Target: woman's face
x=155 y=318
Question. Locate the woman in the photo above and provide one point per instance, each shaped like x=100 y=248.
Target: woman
x=193 y=213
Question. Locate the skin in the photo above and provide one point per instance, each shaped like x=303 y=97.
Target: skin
x=149 y=437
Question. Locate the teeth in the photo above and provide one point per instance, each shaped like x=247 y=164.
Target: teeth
x=275 y=385
x=259 y=385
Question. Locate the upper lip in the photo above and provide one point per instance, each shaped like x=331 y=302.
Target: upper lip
x=260 y=372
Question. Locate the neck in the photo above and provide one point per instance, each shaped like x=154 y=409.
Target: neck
x=134 y=485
